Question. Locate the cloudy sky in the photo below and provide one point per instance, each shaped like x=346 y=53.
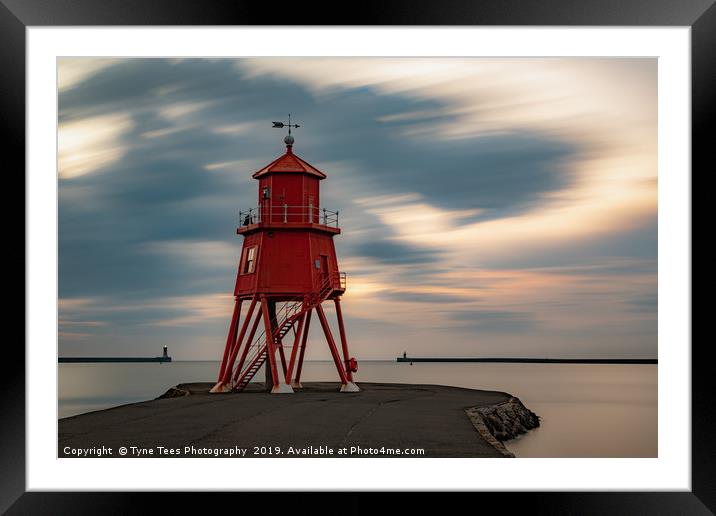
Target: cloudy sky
x=490 y=207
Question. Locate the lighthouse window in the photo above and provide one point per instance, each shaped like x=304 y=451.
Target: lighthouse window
x=249 y=260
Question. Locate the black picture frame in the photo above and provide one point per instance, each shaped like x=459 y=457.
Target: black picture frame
x=17 y=15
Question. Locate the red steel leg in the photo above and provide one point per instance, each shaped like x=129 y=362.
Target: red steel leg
x=231 y=338
x=282 y=354
x=245 y=353
x=303 y=347
x=269 y=341
x=344 y=341
x=235 y=350
x=294 y=349
x=331 y=343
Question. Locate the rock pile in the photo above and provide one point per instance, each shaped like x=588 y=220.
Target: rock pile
x=502 y=422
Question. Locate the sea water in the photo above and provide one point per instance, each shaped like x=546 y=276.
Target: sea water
x=586 y=410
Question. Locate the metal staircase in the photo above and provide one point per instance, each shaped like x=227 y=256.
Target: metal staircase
x=286 y=320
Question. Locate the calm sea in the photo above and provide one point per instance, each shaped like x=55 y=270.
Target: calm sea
x=586 y=410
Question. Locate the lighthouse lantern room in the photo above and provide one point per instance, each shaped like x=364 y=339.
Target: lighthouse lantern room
x=287 y=270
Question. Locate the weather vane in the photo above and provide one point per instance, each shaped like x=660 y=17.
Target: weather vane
x=280 y=125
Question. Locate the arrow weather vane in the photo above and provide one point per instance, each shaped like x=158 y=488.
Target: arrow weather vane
x=280 y=125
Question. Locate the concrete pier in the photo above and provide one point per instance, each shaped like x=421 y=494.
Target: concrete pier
x=310 y=422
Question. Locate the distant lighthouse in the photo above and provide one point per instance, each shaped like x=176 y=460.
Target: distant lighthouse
x=288 y=268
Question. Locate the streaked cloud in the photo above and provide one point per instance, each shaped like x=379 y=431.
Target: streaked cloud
x=182 y=109
x=234 y=128
x=74 y=71
x=206 y=254
x=159 y=133
x=606 y=108
x=88 y=144
x=496 y=206
x=238 y=165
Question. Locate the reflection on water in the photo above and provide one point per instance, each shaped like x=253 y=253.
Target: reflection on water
x=586 y=410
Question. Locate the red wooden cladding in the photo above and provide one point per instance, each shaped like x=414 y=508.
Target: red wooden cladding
x=288 y=261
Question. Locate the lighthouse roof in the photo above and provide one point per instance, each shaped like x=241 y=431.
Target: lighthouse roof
x=289 y=163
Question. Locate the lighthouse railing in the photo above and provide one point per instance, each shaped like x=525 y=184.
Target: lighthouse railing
x=250 y=216
x=288 y=214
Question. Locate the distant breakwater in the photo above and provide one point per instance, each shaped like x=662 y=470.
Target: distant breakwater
x=93 y=360
x=532 y=360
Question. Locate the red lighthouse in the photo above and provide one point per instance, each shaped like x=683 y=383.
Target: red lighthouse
x=288 y=269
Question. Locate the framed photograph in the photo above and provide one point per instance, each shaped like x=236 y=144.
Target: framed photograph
x=432 y=250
